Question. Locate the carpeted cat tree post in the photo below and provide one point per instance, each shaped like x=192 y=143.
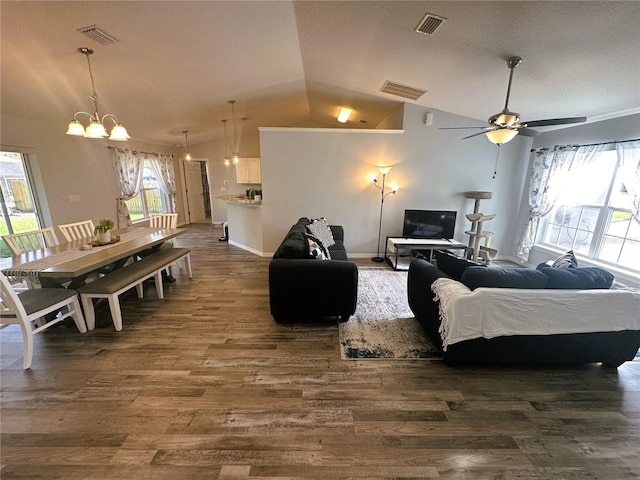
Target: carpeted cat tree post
x=477 y=252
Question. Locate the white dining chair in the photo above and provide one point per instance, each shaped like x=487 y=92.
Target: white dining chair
x=31 y=241
x=78 y=230
x=30 y=306
x=165 y=220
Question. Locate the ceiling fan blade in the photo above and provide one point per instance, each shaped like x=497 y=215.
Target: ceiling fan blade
x=527 y=132
x=555 y=121
x=474 y=135
x=458 y=128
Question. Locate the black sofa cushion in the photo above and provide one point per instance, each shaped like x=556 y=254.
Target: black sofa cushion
x=474 y=277
x=451 y=265
x=585 y=278
x=295 y=243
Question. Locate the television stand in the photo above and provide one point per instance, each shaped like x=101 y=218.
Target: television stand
x=394 y=245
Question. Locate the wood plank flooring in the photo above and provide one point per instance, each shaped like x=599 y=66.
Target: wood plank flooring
x=205 y=385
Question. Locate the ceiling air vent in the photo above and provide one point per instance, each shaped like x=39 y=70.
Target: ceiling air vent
x=403 y=91
x=429 y=24
x=99 y=35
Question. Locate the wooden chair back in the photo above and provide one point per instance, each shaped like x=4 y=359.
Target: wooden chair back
x=33 y=240
x=28 y=307
x=78 y=230
x=163 y=220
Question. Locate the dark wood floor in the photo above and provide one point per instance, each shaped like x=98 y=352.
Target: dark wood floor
x=205 y=385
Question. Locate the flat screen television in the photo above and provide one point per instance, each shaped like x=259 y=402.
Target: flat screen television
x=429 y=224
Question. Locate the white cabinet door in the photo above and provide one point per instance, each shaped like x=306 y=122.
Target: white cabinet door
x=248 y=170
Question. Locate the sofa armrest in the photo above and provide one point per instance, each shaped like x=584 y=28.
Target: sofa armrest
x=314 y=287
x=421 y=299
x=338 y=232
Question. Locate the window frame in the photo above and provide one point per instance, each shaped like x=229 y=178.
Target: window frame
x=144 y=200
x=599 y=234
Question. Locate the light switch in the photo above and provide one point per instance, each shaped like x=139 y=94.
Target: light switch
x=74 y=198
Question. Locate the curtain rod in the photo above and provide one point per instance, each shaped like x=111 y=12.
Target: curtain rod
x=140 y=151
x=589 y=144
x=607 y=143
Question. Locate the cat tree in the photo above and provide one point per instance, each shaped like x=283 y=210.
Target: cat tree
x=477 y=252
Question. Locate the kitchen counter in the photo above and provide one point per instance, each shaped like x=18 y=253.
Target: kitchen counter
x=241 y=200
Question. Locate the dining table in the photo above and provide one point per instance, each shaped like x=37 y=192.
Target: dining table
x=69 y=264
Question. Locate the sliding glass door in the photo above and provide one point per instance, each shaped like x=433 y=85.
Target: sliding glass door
x=18 y=207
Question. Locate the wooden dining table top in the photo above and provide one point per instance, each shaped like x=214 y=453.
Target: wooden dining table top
x=97 y=257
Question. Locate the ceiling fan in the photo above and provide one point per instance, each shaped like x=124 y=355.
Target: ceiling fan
x=505 y=125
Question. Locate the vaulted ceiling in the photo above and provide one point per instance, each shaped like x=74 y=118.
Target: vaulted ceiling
x=176 y=64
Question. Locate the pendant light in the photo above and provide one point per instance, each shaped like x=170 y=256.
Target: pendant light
x=227 y=162
x=96 y=128
x=235 y=154
x=187 y=155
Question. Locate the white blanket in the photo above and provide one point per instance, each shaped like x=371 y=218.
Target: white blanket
x=498 y=312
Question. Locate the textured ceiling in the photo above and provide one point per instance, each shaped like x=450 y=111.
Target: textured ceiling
x=177 y=64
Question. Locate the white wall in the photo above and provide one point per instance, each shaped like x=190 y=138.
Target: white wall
x=326 y=172
x=73 y=166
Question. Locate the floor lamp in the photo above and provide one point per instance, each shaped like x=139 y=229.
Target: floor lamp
x=383 y=195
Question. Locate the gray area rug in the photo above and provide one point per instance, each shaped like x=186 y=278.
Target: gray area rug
x=384 y=326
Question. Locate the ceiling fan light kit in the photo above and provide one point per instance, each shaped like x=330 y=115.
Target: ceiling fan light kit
x=501 y=135
x=96 y=128
x=506 y=125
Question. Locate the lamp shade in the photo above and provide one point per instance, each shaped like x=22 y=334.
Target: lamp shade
x=75 y=128
x=95 y=130
x=119 y=134
x=384 y=170
x=501 y=135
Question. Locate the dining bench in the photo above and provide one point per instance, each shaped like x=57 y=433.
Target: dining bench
x=119 y=281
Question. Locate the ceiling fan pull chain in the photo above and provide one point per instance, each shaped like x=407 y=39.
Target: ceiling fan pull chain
x=495 y=168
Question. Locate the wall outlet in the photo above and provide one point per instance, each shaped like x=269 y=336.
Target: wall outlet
x=74 y=198
x=223 y=189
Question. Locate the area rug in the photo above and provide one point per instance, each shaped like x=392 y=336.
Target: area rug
x=383 y=326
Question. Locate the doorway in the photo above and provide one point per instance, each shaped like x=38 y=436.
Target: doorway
x=197 y=191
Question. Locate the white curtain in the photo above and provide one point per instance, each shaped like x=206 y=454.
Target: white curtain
x=629 y=163
x=129 y=169
x=549 y=169
x=162 y=165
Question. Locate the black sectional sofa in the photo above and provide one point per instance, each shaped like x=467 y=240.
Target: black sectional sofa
x=303 y=287
x=611 y=346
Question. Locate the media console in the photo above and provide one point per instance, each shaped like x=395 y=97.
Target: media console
x=394 y=244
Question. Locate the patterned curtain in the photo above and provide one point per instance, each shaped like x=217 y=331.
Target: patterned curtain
x=549 y=168
x=629 y=163
x=129 y=169
x=162 y=165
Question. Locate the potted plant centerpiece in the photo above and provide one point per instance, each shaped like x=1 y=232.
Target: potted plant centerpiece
x=102 y=230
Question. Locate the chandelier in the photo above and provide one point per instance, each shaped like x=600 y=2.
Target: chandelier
x=96 y=128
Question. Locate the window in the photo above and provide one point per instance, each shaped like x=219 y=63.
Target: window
x=593 y=216
x=150 y=199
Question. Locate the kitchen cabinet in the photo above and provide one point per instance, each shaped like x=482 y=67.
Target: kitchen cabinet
x=248 y=170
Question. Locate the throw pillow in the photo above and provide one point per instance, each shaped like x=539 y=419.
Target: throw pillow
x=475 y=277
x=319 y=228
x=568 y=260
x=585 y=278
x=451 y=265
x=316 y=249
